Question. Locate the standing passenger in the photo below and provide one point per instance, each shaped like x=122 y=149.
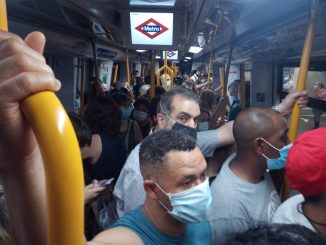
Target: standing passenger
x=243 y=192
x=306 y=172
x=178 y=196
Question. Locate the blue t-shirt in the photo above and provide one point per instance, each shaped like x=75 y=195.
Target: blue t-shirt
x=197 y=233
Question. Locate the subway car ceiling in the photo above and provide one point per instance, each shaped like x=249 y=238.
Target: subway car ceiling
x=257 y=29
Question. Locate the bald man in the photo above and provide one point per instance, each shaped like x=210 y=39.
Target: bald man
x=243 y=193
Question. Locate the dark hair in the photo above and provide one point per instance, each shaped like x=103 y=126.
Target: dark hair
x=120 y=98
x=157 y=145
x=276 y=234
x=208 y=99
x=82 y=130
x=103 y=116
x=143 y=101
x=165 y=104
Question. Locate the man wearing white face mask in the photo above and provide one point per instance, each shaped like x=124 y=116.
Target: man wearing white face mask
x=178 y=197
x=243 y=193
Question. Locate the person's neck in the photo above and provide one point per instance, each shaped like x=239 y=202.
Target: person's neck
x=162 y=220
x=316 y=214
x=244 y=165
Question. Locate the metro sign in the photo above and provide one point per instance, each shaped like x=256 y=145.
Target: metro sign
x=151 y=28
x=170 y=53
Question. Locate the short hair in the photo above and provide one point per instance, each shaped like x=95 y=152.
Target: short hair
x=82 y=130
x=276 y=234
x=154 y=148
x=320 y=85
x=103 y=116
x=165 y=104
x=253 y=123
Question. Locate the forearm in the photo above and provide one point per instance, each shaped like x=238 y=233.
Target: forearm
x=25 y=197
x=225 y=134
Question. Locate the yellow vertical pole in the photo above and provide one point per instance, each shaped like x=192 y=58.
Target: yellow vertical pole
x=3 y=16
x=116 y=68
x=223 y=92
x=165 y=72
x=82 y=87
x=300 y=86
x=127 y=67
x=242 y=87
x=209 y=69
x=65 y=209
x=143 y=73
x=152 y=75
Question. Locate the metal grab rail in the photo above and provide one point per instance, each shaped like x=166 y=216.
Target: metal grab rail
x=62 y=162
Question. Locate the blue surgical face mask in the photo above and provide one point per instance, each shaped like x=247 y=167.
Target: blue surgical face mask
x=192 y=205
x=277 y=163
x=203 y=126
x=126 y=112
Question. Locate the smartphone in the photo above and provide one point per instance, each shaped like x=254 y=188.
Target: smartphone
x=105 y=182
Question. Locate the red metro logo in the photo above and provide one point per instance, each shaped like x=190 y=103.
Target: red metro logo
x=151 y=28
x=170 y=53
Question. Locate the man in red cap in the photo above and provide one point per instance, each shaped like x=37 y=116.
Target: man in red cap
x=306 y=172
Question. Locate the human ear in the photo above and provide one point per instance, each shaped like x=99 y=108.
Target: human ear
x=150 y=187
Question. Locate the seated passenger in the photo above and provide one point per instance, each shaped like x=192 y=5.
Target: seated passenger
x=178 y=109
x=243 y=192
x=178 y=196
x=276 y=235
x=306 y=172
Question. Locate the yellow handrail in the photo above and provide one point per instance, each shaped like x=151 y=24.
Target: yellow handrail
x=223 y=92
x=116 y=68
x=62 y=162
x=300 y=86
x=166 y=69
x=128 y=69
x=209 y=69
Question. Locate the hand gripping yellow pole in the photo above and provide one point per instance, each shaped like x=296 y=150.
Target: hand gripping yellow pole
x=62 y=163
x=300 y=86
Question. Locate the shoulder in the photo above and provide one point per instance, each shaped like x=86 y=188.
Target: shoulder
x=288 y=209
x=118 y=235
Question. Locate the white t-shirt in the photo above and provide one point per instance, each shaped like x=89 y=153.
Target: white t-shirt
x=238 y=205
x=290 y=212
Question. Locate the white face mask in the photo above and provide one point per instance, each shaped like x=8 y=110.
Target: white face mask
x=192 y=205
x=140 y=115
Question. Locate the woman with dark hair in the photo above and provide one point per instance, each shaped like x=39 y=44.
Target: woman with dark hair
x=104 y=118
x=141 y=114
x=129 y=130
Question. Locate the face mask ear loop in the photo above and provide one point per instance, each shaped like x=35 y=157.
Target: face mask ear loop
x=165 y=194
x=270 y=144
x=166 y=113
x=265 y=156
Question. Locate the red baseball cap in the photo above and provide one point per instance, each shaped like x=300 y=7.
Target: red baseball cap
x=306 y=163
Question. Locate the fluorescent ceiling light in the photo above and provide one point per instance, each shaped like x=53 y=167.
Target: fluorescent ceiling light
x=188 y=58
x=153 y=2
x=185 y=60
x=195 y=50
x=141 y=51
x=158 y=57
